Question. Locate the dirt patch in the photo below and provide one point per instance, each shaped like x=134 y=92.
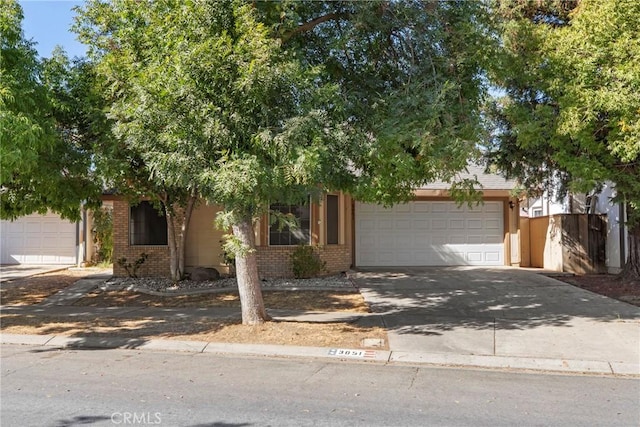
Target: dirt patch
x=284 y=333
x=304 y=300
x=612 y=286
x=35 y=289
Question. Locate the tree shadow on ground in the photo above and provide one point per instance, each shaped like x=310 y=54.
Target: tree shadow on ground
x=424 y=300
x=98 y=332
x=81 y=420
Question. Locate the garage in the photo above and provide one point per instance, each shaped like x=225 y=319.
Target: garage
x=38 y=239
x=429 y=233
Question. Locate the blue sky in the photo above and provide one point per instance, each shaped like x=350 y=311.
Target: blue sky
x=48 y=24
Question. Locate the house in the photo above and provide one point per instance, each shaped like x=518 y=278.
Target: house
x=44 y=239
x=616 y=246
x=431 y=230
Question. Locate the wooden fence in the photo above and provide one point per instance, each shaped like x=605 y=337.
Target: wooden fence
x=573 y=243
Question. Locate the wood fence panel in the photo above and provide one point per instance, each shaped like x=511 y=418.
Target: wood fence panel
x=538 y=238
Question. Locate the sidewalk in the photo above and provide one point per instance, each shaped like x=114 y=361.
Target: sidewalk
x=421 y=328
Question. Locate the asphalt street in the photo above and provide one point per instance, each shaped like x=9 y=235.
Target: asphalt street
x=44 y=386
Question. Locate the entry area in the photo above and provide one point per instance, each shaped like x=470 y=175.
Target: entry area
x=429 y=233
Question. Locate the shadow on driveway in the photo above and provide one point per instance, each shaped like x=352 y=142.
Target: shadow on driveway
x=445 y=298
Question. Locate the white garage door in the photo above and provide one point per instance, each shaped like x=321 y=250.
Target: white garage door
x=38 y=239
x=429 y=234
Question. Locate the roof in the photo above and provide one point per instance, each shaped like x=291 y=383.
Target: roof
x=488 y=181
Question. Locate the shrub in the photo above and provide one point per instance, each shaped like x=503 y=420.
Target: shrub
x=132 y=269
x=306 y=262
x=102 y=231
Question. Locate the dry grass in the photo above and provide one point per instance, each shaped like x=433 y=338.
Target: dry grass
x=35 y=289
x=285 y=300
x=284 y=333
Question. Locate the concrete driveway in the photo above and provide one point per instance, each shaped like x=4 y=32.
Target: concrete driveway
x=500 y=312
x=19 y=271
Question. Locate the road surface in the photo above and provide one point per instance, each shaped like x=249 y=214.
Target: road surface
x=50 y=387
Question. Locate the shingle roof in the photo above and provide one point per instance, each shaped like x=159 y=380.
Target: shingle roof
x=487 y=181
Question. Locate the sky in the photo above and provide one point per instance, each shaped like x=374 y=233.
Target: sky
x=48 y=22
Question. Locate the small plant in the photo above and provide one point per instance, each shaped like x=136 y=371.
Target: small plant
x=306 y=262
x=132 y=269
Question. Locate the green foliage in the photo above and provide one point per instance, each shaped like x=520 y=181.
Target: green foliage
x=45 y=155
x=409 y=77
x=132 y=268
x=306 y=263
x=102 y=232
x=571 y=114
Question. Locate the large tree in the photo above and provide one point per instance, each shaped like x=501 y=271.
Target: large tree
x=571 y=116
x=45 y=157
x=250 y=103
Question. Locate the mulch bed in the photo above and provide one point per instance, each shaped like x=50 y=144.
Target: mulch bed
x=612 y=286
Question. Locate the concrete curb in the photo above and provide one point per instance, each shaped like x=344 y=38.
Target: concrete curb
x=368 y=355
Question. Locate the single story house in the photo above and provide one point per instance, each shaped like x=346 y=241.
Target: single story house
x=431 y=230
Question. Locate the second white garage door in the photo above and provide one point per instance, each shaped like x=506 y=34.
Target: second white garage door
x=429 y=234
x=38 y=239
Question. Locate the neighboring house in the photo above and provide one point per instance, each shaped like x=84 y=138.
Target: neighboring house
x=617 y=243
x=432 y=230
x=43 y=239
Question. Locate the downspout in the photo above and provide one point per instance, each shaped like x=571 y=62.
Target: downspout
x=623 y=237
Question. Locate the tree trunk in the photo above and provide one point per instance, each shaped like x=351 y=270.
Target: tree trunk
x=632 y=267
x=249 y=287
x=178 y=219
x=171 y=241
x=184 y=228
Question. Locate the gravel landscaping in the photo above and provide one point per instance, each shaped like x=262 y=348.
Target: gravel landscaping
x=167 y=286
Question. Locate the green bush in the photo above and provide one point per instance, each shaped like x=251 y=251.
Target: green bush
x=102 y=231
x=306 y=262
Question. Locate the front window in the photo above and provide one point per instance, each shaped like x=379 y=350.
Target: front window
x=280 y=236
x=332 y=219
x=147 y=226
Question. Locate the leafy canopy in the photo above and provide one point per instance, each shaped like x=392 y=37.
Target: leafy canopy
x=571 y=112
x=211 y=104
x=45 y=160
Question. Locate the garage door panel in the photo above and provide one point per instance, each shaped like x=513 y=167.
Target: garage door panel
x=421 y=207
x=38 y=239
x=429 y=233
x=492 y=224
x=492 y=256
x=439 y=224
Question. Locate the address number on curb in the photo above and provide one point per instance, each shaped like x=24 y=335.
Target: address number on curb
x=357 y=354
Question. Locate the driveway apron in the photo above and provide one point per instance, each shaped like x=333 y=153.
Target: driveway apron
x=499 y=312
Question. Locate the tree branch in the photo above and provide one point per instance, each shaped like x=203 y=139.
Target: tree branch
x=308 y=26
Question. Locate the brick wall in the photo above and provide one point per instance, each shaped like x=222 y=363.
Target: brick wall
x=158 y=262
x=275 y=261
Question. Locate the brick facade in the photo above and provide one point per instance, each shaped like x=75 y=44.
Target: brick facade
x=273 y=261
x=157 y=265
